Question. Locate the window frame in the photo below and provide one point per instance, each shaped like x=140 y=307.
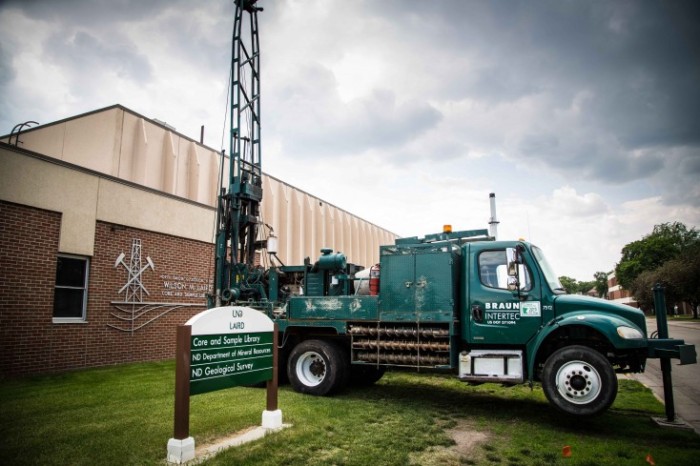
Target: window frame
x=524 y=266
x=84 y=288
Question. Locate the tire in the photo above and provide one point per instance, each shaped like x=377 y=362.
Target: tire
x=282 y=375
x=364 y=375
x=579 y=381
x=318 y=367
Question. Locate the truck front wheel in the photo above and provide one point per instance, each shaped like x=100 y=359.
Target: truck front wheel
x=579 y=381
x=317 y=367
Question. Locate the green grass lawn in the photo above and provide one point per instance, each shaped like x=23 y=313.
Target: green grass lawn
x=686 y=318
x=124 y=415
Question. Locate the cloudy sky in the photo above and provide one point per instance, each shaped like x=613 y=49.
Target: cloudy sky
x=582 y=116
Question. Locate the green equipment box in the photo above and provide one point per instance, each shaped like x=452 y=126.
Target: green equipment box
x=419 y=282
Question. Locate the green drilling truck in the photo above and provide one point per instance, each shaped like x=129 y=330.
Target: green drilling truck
x=461 y=302
x=485 y=310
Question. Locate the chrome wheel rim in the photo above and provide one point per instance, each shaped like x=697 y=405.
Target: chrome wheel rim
x=578 y=382
x=311 y=369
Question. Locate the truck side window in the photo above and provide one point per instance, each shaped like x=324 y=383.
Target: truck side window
x=493 y=271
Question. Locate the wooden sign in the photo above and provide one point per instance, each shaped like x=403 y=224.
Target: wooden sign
x=221 y=348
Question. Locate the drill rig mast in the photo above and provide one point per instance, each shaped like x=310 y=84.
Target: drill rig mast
x=238 y=213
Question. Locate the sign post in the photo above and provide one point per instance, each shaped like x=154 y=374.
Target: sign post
x=272 y=416
x=221 y=348
x=181 y=446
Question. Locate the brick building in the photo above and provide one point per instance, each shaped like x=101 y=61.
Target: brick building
x=617 y=293
x=106 y=239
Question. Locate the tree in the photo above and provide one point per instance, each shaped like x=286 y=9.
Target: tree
x=691 y=280
x=569 y=284
x=572 y=286
x=672 y=255
x=681 y=277
x=585 y=287
x=601 y=283
x=641 y=288
x=666 y=242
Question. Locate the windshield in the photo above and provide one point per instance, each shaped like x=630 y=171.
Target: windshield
x=547 y=270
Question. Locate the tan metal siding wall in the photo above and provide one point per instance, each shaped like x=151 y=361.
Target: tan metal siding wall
x=304 y=224
x=125 y=145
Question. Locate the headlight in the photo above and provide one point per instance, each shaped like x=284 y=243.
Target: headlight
x=629 y=333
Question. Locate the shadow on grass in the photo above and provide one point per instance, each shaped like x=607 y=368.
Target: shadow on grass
x=123 y=415
x=490 y=404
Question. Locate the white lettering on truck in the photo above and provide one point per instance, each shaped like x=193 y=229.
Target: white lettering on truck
x=502 y=306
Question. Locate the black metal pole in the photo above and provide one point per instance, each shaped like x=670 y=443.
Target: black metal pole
x=272 y=385
x=662 y=327
x=182 y=382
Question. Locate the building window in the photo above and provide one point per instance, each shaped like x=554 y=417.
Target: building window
x=70 y=295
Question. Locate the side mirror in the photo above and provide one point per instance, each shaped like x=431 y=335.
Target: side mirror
x=513 y=284
x=512 y=259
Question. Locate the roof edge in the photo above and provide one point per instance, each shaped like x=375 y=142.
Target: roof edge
x=105 y=109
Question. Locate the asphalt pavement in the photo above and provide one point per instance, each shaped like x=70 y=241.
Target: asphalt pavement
x=686 y=379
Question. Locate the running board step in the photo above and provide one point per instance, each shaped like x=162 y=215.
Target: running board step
x=491 y=366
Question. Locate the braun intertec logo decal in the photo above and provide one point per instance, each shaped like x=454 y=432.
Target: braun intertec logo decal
x=526 y=308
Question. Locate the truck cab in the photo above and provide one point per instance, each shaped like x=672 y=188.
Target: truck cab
x=503 y=308
x=521 y=325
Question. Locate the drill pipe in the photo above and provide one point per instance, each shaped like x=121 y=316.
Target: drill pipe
x=400 y=332
x=402 y=358
x=402 y=345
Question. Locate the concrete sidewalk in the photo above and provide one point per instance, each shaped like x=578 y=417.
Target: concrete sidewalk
x=687 y=409
x=686 y=379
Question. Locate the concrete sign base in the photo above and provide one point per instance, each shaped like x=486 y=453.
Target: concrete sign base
x=272 y=419
x=180 y=451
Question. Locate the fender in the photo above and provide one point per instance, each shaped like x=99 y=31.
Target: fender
x=604 y=324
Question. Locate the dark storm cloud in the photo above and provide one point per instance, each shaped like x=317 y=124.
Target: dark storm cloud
x=312 y=119
x=7 y=73
x=82 y=51
x=96 y=50
x=679 y=179
x=649 y=93
x=93 y=12
x=186 y=33
x=585 y=156
x=595 y=89
x=206 y=41
x=496 y=84
x=7 y=76
x=639 y=62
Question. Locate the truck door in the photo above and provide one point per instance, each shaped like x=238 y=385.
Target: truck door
x=497 y=315
x=398 y=277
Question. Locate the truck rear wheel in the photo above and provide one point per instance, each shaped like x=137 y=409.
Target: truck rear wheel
x=579 y=381
x=317 y=367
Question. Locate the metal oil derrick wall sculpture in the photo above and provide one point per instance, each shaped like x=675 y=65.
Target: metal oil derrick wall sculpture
x=133 y=312
x=134 y=287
